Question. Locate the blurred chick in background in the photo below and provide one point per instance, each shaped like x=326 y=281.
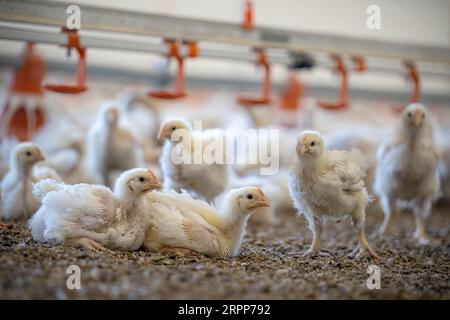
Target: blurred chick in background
x=407 y=168
x=26 y=167
x=110 y=146
x=203 y=180
x=141 y=117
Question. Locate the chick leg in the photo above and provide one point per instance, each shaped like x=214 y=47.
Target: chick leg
x=422 y=210
x=89 y=244
x=388 y=206
x=363 y=246
x=315 y=245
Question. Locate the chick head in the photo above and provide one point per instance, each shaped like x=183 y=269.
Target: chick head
x=110 y=114
x=169 y=126
x=26 y=154
x=250 y=199
x=414 y=115
x=310 y=145
x=137 y=182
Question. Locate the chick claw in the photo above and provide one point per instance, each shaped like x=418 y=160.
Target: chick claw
x=182 y=252
x=423 y=241
x=90 y=244
x=320 y=252
x=421 y=238
x=361 y=252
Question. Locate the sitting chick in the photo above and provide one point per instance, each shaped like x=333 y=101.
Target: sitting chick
x=92 y=216
x=176 y=221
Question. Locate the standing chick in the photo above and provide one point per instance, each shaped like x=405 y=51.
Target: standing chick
x=202 y=180
x=92 y=216
x=25 y=168
x=109 y=146
x=177 y=221
x=328 y=184
x=407 y=168
x=141 y=117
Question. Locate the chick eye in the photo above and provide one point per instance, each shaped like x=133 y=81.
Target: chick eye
x=312 y=143
x=174 y=128
x=141 y=179
x=28 y=153
x=249 y=197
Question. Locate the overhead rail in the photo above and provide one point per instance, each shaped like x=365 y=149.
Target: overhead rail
x=169 y=27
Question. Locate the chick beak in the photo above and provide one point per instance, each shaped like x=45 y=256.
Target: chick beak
x=154 y=183
x=39 y=156
x=263 y=203
x=303 y=149
x=112 y=115
x=161 y=135
x=417 y=118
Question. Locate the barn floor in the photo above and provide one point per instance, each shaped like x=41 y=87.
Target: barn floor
x=265 y=270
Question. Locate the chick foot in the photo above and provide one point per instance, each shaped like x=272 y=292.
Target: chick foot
x=89 y=244
x=362 y=252
x=423 y=239
x=182 y=252
x=317 y=252
x=380 y=233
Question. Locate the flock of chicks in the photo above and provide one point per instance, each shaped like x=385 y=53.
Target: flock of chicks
x=179 y=215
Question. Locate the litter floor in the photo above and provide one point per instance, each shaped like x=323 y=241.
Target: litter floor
x=268 y=267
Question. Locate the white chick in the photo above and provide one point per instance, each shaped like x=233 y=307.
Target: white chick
x=328 y=184
x=109 y=146
x=177 y=221
x=142 y=118
x=92 y=216
x=407 y=169
x=444 y=173
x=26 y=167
x=7 y=144
x=275 y=187
x=202 y=180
